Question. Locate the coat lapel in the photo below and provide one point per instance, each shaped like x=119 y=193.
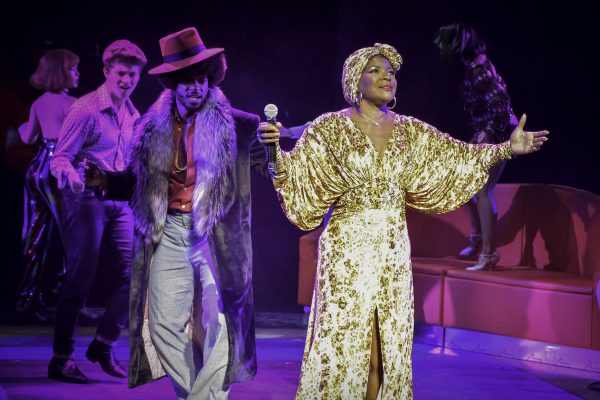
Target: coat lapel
x=214 y=154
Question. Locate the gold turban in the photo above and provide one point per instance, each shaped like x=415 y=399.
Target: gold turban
x=356 y=62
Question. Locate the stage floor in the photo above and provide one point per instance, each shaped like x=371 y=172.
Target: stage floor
x=438 y=374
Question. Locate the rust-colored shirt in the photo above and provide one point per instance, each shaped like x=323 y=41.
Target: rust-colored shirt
x=183 y=171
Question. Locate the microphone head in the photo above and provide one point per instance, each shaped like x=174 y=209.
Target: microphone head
x=271 y=111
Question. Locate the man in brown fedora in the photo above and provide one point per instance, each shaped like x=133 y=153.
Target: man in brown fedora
x=191 y=313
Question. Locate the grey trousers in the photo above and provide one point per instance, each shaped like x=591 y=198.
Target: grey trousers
x=180 y=281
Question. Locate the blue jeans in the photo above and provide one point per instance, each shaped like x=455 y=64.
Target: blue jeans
x=85 y=222
x=183 y=286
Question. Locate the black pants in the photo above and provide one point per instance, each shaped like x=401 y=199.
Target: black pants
x=86 y=222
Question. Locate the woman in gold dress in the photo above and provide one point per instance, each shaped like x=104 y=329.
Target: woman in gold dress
x=369 y=164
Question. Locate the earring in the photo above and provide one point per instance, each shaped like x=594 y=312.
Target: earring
x=391 y=107
x=358 y=98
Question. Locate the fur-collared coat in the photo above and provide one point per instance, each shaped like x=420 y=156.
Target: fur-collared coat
x=224 y=148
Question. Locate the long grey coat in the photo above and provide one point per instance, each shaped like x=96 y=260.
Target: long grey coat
x=224 y=148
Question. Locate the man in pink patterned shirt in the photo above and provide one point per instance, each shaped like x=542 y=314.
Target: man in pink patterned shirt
x=99 y=129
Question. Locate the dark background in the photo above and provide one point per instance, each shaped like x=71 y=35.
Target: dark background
x=292 y=55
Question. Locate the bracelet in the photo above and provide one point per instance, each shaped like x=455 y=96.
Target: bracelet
x=510 y=152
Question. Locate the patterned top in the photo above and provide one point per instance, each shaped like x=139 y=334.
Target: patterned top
x=363 y=267
x=335 y=163
x=487 y=104
x=94 y=130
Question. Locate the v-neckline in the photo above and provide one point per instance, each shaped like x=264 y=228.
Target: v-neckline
x=378 y=157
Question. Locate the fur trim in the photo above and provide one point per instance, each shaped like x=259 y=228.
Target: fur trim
x=214 y=151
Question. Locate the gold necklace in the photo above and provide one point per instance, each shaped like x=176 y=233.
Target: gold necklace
x=178 y=169
x=376 y=123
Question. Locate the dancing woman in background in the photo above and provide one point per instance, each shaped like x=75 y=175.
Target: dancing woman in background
x=56 y=73
x=491 y=118
x=370 y=163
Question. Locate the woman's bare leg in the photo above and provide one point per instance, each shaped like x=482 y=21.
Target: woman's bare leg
x=486 y=208
x=474 y=217
x=474 y=246
x=376 y=363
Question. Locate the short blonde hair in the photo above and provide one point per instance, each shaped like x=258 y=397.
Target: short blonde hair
x=123 y=51
x=52 y=73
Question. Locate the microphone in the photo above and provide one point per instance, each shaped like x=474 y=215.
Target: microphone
x=271 y=112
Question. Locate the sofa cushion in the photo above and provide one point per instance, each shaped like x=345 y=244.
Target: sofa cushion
x=428 y=285
x=437 y=266
x=429 y=291
x=309 y=249
x=529 y=278
x=546 y=315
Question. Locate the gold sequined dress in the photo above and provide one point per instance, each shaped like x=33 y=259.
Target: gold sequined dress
x=364 y=252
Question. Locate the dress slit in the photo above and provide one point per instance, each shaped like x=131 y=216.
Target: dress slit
x=376 y=332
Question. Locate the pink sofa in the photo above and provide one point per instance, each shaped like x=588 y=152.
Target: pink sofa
x=545 y=286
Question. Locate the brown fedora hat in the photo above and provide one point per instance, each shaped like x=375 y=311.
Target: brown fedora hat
x=182 y=49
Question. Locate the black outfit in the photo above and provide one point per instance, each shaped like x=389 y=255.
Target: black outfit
x=43 y=254
x=487 y=103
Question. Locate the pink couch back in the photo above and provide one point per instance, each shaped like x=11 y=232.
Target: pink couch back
x=542 y=226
